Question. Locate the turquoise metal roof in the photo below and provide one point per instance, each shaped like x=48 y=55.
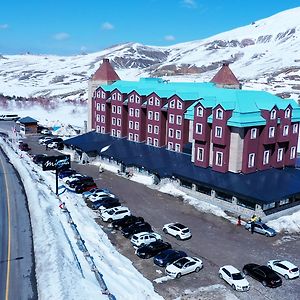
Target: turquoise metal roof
x=245 y=104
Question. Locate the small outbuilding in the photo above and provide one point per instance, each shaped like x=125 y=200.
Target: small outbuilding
x=28 y=125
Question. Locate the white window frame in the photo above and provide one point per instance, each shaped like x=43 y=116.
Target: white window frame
x=103 y=95
x=113 y=121
x=266 y=157
x=179 y=104
x=113 y=132
x=219 y=114
x=157 y=102
x=102 y=129
x=295 y=128
x=103 y=107
x=136 y=125
x=156 y=116
x=178 y=134
x=170 y=145
x=178 y=120
x=98 y=118
x=280 y=154
x=118 y=122
x=199 y=128
x=137 y=99
x=131 y=98
x=98 y=94
x=171 y=132
x=102 y=119
x=149 y=128
x=130 y=136
x=113 y=109
x=155 y=142
x=171 y=118
x=251 y=160
x=200 y=111
x=293 y=152
x=172 y=103
x=149 y=141
x=137 y=113
x=118 y=133
x=114 y=96
x=150 y=115
x=131 y=112
x=219 y=154
x=273 y=114
x=150 y=102
x=136 y=137
x=177 y=147
x=119 y=110
x=285 y=131
x=119 y=97
x=200 y=154
x=287 y=113
x=156 y=129
x=253 y=133
x=218 y=128
x=271 y=129
x=130 y=124
x=97 y=128
x=98 y=106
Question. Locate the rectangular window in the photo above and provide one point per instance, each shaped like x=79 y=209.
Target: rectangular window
x=177 y=147
x=172 y=105
x=156 y=129
x=200 y=111
x=280 y=154
x=118 y=133
x=103 y=95
x=219 y=114
x=149 y=128
x=218 y=132
x=287 y=113
x=293 y=153
x=178 y=134
x=251 y=160
x=149 y=141
x=119 y=109
x=271 y=132
x=266 y=157
x=113 y=121
x=219 y=158
x=253 y=133
x=119 y=97
x=273 y=114
x=170 y=146
x=130 y=137
x=136 y=137
x=131 y=110
x=114 y=96
x=171 y=132
x=102 y=129
x=136 y=126
x=130 y=125
x=113 y=109
x=150 y=102
x=200 y=154
x=157 y=102
x=137 y=113
x=156 y=116
x=285 y=130
x=131 y=98
x=98 y=118
x=102 y=119
x=98 y=94
x=98 y=106
x=295 y=128
x=119 y=122
x=178 y=120
x=198 y=128
x=156 y=142
x=137 y=99
x=97 y=128
x=179 y=105
x=113 y=132
x=171 y=119
x=103 y=107
x=150 y=115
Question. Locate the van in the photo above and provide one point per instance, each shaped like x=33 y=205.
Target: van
x=9 y=117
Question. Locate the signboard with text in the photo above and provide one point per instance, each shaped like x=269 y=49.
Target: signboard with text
x=60 y=162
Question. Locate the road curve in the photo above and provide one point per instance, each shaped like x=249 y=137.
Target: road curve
x=17 y=266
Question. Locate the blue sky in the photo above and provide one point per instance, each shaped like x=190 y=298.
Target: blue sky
x=67 y=27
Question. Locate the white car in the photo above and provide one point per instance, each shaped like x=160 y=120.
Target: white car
x=184 y=266
x=115 y=213
x=144 y=238
x=284 y=268
x=73 y=177
x=99 y=195
x=178 y=230
x=234 y=278
x=44 y=139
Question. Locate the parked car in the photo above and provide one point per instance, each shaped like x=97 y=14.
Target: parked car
x=54 y=139
x=167 y=257
x=95 y=190
x=70 y=178
x=234 y=278
x=152 y=249
x=43 y=140
x=144 y=238
x=104 y=202
x=55 y=145
x=263 y=274
x=284 y=268
x=108 y=205
x=24 y=147
x=39 y=158
x=261 y=228
x=115 y=213
x=181 y=232
x=85 y=187
x=127 y=221
x=183 y=266
x=80 y=181
x=46 y=131
x=136 y=228
x=99 y=195
x=66 y=173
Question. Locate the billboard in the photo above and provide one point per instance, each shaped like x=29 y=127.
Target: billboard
x=60 y=162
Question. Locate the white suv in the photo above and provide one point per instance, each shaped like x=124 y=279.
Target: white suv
x=115 y=213
x=234 y=278
x=181 y=232
x=284 y=268
x=144 y=238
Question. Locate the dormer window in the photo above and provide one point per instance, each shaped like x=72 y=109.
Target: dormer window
x=150 y=101
x=273 y=114
x=179 y=105
x=199 y=111
x=119 y=97
x=172 y=104
x=114 y=96
x=131 y=98
x=157 y=102
x=287 y=113
x=98 y=94
x=103 y=95
x=137 y=99
x=219 y=114
x=285 y=130
x=253 y=133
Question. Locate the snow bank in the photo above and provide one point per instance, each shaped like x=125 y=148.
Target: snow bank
x=289 y=224
x=61 y=269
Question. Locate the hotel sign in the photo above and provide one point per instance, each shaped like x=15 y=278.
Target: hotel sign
x=60 y=162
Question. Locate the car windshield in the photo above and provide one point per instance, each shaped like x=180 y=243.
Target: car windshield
x=264 y=226
x=295 y=270
x=180 y=263
x=180 y=226
x=237 y=276
x=185 y=230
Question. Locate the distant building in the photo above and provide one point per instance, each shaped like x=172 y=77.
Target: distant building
x=28 y=125
x=231 y=130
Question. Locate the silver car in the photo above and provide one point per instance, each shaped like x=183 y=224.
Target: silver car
x=261 y=228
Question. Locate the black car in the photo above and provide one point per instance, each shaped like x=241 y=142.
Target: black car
x=66 y=173
x=167 y=257
x=56 y=139
x=104 y=201
x=85 y=187
x=126 y=221
x=136 y=228
x=152 y=249
x=80 y=181
x=263 y=274
x=39 y=158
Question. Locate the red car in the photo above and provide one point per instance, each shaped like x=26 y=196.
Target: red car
x=85 y=187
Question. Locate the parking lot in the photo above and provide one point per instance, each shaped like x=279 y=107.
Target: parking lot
x=216 y=241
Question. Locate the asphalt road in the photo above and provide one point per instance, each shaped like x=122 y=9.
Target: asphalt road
x=17 y=267
x=215 y=240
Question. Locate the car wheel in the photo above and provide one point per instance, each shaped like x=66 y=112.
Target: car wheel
x=177 y=237
x=178 y=275
x=266 y=234
x=165 y=230
x=286 y=276
x=233 y=286
x=264 y=283
x=220 y=275
x=197 y=269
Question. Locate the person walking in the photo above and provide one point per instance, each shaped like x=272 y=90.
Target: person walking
x=252 y=227
x=239 y=221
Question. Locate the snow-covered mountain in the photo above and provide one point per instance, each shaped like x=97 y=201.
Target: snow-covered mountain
x=263 y=55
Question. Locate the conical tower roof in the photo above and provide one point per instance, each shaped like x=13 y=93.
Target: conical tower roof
x=225 y=76
x=106 y=72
